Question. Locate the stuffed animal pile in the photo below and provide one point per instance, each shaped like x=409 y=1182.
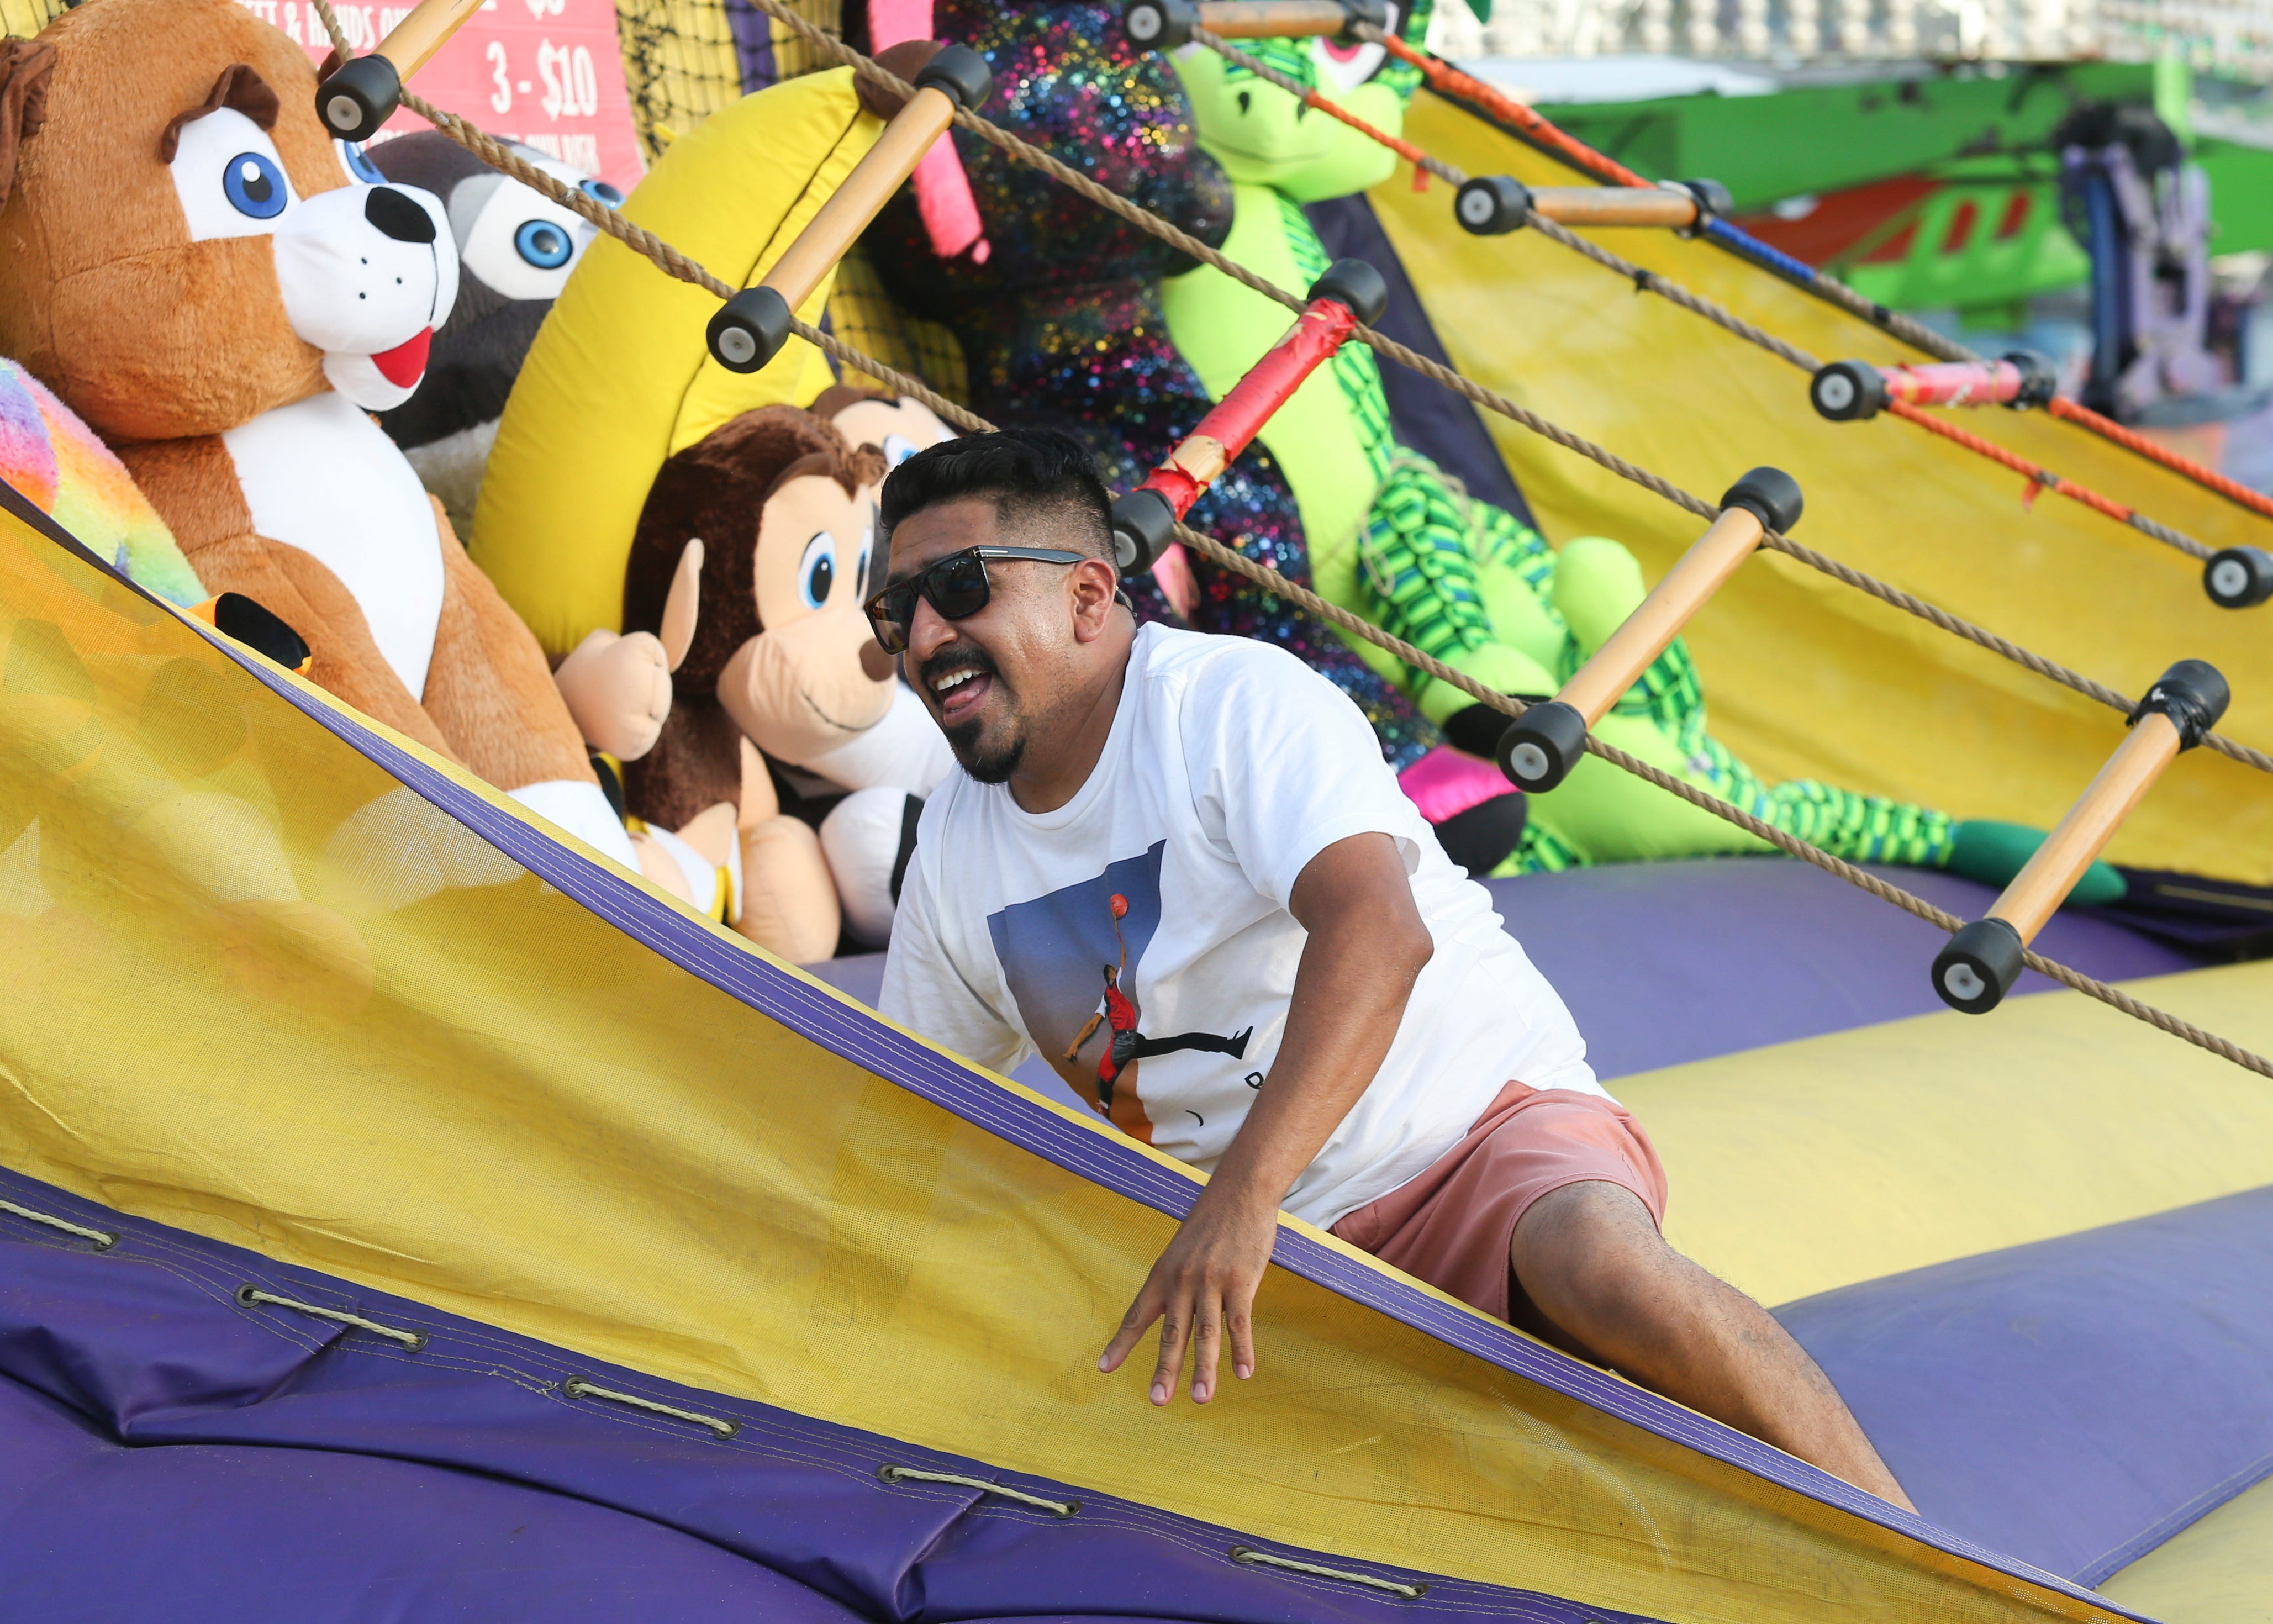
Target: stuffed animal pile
x=225 y=293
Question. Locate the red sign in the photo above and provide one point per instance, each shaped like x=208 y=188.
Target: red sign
x=548 y=72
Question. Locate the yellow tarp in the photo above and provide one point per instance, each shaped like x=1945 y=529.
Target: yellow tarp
x=259 y=990
x=1808 y=678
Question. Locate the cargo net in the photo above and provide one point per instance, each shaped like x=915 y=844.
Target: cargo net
x=673 y=263
x=685 y=59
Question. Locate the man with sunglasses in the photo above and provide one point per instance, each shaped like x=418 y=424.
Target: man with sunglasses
x=1213 y=821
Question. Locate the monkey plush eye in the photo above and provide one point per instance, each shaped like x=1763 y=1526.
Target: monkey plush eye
x=897 y=449
x=816 y=571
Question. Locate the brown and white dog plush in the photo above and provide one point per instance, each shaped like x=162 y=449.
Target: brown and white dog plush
x=222 y=291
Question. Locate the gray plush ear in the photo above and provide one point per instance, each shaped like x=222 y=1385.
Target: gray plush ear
x=25 y=66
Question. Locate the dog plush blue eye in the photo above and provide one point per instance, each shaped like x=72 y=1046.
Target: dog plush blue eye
x=254 y=186
x=601 y=190
x=544 y=244
x=359 y=164
x=816 y=571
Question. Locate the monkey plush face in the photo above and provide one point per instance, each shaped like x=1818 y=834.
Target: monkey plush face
x=899 y=427
x=787 y=515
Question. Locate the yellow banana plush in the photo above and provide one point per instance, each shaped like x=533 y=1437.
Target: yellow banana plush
x=620 y=378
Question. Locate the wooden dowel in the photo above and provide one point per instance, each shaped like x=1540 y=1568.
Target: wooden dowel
x=1262 y=19
x=865 y=192
x=2043 y=883
x=1619 y=664
x=1614 y=205
x=413 y=41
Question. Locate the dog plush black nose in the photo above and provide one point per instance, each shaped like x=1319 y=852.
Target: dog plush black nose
x=398 y=217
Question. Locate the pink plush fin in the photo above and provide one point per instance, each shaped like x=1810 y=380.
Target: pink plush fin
x=1446 y=782
x=943 y=195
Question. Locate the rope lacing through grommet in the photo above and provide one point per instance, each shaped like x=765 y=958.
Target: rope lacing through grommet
x=1725 y=319
x=675 y=264
x=1252 y=1558
x=102 y=1238
x=577 y=1387
x=253 y=1296
x=1529 y=126
x=913 y=1474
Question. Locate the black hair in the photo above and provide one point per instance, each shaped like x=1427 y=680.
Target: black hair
x=1033 y=476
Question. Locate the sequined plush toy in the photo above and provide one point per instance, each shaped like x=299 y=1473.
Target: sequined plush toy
x=1056 y=304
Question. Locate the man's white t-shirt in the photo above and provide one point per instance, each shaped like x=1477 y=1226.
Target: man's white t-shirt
x=1153 y=904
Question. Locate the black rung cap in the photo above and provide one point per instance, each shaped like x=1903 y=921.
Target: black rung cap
x=360 y=96
x=255 y=624
x=1770 y=494
x=1143 y=524
x=2192 y=694
x=1978 y=967
x=1353 y=284
x=1491 y=205
x=1159 y=25
x=1541 y=746
x=749 y=330
x=1374 y=11
x=2239 y=578
x=1711 y=196
x=1847 y=391
x=2039 y=378
x=962 y=73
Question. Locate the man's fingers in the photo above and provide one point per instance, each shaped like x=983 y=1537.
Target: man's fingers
x=1207 y=1343
x=1241 y=1324
x=1173 y=1327
x=1141 y=1314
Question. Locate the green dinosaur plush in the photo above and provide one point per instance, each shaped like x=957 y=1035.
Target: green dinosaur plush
x=1396 y=540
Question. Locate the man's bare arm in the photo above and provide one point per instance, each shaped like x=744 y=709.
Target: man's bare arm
x=1367 y=946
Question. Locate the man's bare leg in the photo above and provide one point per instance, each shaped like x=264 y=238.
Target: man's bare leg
x=1592 y=1263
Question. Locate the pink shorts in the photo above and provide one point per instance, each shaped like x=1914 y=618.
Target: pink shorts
x=1453 y=1225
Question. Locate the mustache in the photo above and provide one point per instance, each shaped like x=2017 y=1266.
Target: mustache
x=958 y=657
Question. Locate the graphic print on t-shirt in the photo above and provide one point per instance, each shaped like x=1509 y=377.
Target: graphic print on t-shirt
x=1070 y=959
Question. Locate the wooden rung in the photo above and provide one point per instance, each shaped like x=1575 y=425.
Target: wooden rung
x=1614 y=205
x=882 y=171
x=1643 y=636
x=2045 y=880
x=413 y=42
x=1261 y=20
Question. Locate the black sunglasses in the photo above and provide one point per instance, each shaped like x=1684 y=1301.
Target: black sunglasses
x=957 y=586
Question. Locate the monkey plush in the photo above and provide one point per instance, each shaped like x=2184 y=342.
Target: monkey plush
x=782 y=680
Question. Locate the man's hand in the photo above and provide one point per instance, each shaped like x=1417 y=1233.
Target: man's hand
x=1367 y=946
x=1202 y=1288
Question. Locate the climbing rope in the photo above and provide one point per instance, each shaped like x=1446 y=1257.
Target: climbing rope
x=1490 y=400
x=673 y=263
x=1527 y=124
x=1721 y=316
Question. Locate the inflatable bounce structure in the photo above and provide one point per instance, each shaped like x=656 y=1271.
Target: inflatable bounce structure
x=406 y=1212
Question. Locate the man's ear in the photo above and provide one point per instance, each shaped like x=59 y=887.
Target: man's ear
x=1095 y=586
x=683 y=607
x=25 y=66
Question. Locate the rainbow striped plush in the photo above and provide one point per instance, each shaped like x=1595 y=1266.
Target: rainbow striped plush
x=58 y=462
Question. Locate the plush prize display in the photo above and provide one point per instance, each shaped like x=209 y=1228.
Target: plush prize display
x=224 y=293
x=515 y=250
x=781 y=671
